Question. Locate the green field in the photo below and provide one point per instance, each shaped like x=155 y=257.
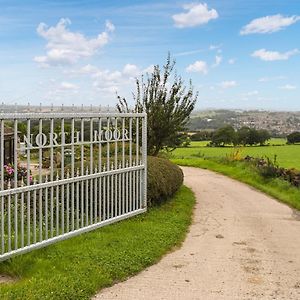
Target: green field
x=287 y=155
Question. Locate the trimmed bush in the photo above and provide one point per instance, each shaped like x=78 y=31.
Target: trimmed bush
x=164 y=179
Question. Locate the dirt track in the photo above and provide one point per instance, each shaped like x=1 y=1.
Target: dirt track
x=241 y=245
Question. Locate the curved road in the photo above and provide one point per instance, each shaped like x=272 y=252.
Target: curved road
x=242 y=245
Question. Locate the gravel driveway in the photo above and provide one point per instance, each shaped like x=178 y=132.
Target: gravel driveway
x=242 y=245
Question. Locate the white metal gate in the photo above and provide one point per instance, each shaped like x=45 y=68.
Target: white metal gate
x=68 y=173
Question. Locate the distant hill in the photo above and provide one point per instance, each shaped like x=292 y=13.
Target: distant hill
x=276 y=122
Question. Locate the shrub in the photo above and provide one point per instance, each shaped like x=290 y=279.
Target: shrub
x=164 y=179
x=293 y=138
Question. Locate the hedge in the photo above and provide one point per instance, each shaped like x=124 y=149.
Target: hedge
x=164 y=179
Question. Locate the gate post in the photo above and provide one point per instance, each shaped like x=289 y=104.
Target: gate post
x=144 y=129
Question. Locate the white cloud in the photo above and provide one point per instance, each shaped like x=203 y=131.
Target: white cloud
x=68 y=86
x=215 y=47
x=197 y=14
x=228 y=84
x=252 y=93
x=111 y=81
x=198 y=66
x=110 y=26
x=269 y=24
x=231 y=61
x=288 y=87
x=184 y=53
x=267 y=79
x=131 y=70
x=148 y=69
x=218 y=60
x=265 y=55
x=65 y=47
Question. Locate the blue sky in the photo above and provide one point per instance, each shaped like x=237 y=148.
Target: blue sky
x=239 y=54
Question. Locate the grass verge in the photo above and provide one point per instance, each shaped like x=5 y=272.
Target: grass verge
x=77 y=268
x=276 y=188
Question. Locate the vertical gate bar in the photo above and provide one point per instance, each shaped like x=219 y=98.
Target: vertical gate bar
x=16 y=182
x=34 y=213
x=95 y=185
x=100 y=199
x=86 y=199
x=62 y=176
x=130 y=141
x=100 y=168
x=91 y=147
x=130 y=163
x=100 y=147
x=130 y=190
x=40 y=181
x=51 y=176
x=91 y=170
x=123 y=142
x=108 y=196
x=115 y=137
x=68 y=203
x=82 y=169
x=119 y=191
x=104 y=197
x=137 y=141
x=57 y=206
x=82 y=147
x=46 y=209
x=22 y=215
x=141 y=188
x=40 y=215
x=137 y=189
x=77 y=201
x=112 y=195
x=91 y=206
x=123 y=165
x=123 y=193
x=127 y=182
x=116 y=193
x=28 y=182
x=28 y=219
x=81 y=203
x=145 y=161
x=133 y=189
x=8 y=221
x=72 y=171
x=107 y=147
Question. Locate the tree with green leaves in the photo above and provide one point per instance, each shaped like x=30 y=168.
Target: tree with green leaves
x=168 y=103
x=293 y=138
x=224 y=136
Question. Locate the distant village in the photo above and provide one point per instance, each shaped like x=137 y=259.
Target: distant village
x=279 y=124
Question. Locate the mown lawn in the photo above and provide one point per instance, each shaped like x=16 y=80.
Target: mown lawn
x=288 y=156
x=275 y=187
x=79 y=267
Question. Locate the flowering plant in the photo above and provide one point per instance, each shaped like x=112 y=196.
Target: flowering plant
x=9 y=172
